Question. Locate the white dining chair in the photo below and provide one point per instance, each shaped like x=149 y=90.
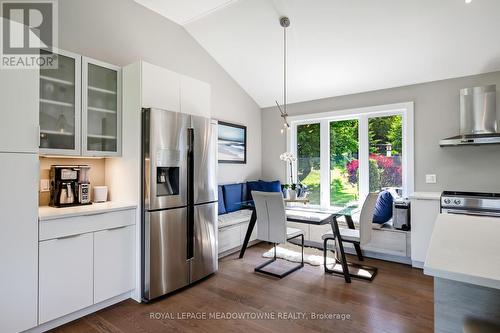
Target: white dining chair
x=358 y=237
x=272 y=227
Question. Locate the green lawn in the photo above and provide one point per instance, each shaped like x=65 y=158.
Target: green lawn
x=341 y=191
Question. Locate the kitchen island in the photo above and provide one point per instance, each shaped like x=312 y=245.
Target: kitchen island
x=464 y=259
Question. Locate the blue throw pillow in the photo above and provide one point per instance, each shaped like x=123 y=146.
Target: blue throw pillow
x=222 y=207
x=253 y=186
x=232 y=197
x=274 y=186
x=263 y=186
x=383 y=208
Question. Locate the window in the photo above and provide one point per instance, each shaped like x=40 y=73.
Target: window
x=386 y=150
x=344 y=155
x=308 y=159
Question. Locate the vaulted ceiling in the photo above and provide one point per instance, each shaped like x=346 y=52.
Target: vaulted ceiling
x=339 y=47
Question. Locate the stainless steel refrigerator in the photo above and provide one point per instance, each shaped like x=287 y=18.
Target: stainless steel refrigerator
x=179 y=219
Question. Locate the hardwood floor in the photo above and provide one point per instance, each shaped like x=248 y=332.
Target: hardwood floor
x=400 y=299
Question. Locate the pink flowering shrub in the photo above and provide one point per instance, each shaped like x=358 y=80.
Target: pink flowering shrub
x=390 y=172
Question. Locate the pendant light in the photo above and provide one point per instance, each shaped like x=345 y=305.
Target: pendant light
x=285 y=23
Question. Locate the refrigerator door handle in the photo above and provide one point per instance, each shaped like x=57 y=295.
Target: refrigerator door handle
x=190 y=195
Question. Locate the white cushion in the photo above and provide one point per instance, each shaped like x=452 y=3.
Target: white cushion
x=350 y=234
x=325 y=236
x=239 y=216
x=346 y=234
x=293 y=232
x=355 y=218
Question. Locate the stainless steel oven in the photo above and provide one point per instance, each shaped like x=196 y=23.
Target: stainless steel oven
x=470 y=203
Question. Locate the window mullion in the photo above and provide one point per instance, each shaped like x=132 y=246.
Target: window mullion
x=325 y=163
x=364 y=152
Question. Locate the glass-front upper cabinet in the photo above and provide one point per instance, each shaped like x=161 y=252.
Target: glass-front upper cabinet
x=101 y=108
x=60 y=106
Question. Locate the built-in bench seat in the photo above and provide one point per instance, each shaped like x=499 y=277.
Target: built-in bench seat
x=233 y=218
x=238 y=217
x=387 y=243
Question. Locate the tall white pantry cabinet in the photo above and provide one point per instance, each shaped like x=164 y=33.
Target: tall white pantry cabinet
x=19 y=112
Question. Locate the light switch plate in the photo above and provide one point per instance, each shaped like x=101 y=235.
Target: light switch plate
x=44 y=185
x=430 y=179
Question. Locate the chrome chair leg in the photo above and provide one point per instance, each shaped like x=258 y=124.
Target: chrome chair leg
x=259 y=269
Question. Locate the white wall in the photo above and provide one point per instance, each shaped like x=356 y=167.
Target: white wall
x=121 y=32
x=436 y=117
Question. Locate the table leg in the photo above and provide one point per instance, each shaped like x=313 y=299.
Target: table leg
x=350 y=224
x=345 y=267
x=251 y=225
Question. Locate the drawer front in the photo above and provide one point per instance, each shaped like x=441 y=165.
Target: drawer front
x=317 y=231
x=302 y=226
x=243 y=232
x=388 y=242
x=66 y=276
x=114 y=262
x=86 y=223
x=229 y=238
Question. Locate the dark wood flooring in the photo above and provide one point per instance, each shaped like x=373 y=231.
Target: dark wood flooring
x=400 y=299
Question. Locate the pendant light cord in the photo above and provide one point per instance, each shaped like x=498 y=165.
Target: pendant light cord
x=284 y=69
x=285 y=23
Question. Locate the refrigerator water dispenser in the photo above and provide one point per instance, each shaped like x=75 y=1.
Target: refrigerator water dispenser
x=167 y=181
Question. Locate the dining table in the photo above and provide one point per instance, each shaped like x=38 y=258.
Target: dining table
x=318 y=216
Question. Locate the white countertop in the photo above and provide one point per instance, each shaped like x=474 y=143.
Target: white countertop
x=50 y=213
x=465 y=248
x=426 y=195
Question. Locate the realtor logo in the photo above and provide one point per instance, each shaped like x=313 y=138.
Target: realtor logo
x=29 y=34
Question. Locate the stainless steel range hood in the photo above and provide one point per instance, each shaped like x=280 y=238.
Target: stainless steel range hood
x=479 y=118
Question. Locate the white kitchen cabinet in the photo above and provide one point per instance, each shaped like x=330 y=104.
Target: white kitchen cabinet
x=80 y=108
x=66 y=276
x=164 y=89
x=19 y=91
x=160 y=87
x=89 y=221
x=18 y=241
x=101 y=109
x=60 y=106
x=424 y=211
x=87 y=256
x=195 y=97
x=114 y=262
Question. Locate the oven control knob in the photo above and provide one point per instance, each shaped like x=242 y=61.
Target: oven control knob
x=457 y=202
x=447 y=201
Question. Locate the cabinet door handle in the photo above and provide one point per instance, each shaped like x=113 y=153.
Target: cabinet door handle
x=95 y=214
x=68 y=237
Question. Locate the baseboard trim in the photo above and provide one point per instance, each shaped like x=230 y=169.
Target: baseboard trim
x=80 y=313
x=417 y=264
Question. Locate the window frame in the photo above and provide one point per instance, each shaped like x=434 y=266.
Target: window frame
x=406 y=110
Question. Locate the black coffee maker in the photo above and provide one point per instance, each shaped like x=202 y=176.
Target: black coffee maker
x=65 y=186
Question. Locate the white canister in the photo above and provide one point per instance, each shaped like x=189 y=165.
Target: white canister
x=100 y=193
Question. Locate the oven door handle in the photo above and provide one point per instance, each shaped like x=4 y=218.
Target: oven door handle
x=471 y=212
